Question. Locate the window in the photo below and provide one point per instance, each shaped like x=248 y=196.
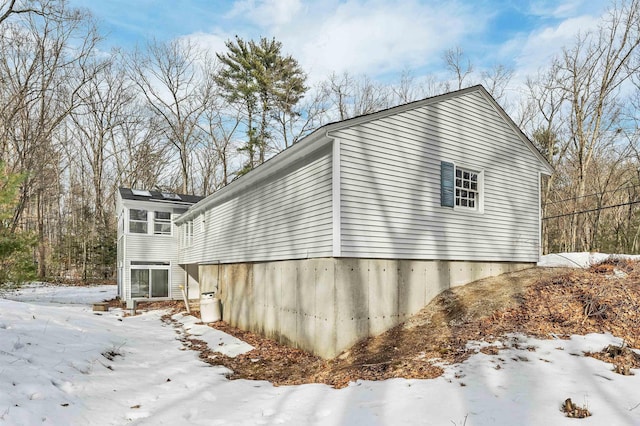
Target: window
x=162 y=223
x=150 y=281
x=187 y=233
x=460 y=187
x=171 y=196
x=466 y=188
x=141 y=192
x=138 y=221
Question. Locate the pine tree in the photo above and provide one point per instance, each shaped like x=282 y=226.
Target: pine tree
x=259 y=79
x=16 y=248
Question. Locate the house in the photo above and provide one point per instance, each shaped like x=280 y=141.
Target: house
x=359 y=225
x=148 y=245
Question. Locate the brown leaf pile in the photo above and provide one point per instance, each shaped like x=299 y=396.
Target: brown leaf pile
x=622 y=358
x=541 y=302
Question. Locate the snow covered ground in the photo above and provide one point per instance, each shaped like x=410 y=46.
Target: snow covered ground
x=62 y=364
x=580 y=260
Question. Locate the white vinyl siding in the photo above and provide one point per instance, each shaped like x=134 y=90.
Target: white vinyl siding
x=390 y=185
x=284 y=216
x=155 y=248
x=151 y=248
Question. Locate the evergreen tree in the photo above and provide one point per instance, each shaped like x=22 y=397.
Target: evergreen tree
x=260 y=80
x=16 y=248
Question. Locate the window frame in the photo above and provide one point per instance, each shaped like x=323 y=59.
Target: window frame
x=187 y=234
x=162 y=222
x=138 y=221
x=460 y=199
x=150 y=267
x=449 y=195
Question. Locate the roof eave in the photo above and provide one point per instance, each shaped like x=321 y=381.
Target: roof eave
x=312 y=142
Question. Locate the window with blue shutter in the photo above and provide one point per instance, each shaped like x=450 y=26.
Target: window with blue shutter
x=447 y=182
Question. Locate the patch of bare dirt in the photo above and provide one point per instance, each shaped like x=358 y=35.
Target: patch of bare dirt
x=542 y=302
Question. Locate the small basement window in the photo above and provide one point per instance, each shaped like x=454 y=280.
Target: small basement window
x=138 y=221
x=162 y=223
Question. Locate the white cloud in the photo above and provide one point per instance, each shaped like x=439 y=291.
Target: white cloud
x=381 y=38
x=557 y=9
x=267 y=13
x=375 y=37
x=213 y=42
x=538 y=47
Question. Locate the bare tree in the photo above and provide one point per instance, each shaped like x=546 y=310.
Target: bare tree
x=15 y=7
x=346 y=96
x=496 y=80
x=592 y=74
x=456 y=63
x=171 y=78
x=43 y=64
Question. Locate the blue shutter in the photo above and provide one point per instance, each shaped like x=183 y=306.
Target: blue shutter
x=447 y=198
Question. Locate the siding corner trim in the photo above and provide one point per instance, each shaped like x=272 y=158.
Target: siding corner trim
x=336 y=204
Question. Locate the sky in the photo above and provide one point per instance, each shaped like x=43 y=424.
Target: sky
x=63 y=364
x=379 y=38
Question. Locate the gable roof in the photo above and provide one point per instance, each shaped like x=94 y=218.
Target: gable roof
x=433 y=99
x=322 y=136
x=159 y=197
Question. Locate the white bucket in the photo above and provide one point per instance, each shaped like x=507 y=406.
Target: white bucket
x=209 y=308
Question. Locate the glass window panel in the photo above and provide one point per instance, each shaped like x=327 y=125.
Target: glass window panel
x=135 y=214
x=162 y=228
x=466 y=185
x=138 y=227
x=139 y=283
x=141 y=192
x=159 y=283
x=162 y=223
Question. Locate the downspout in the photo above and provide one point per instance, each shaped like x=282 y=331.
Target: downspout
x=126 y=289
x=540 y=234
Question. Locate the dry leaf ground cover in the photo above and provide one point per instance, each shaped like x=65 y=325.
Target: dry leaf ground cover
x=542 y=302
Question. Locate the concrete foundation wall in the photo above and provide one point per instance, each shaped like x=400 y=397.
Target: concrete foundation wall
x=326 y=305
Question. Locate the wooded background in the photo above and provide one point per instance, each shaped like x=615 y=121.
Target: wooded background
x=76 y=123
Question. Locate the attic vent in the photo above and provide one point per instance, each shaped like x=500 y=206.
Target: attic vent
x=171 y=196
x=141 y=192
